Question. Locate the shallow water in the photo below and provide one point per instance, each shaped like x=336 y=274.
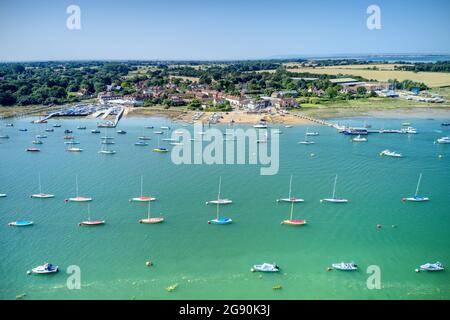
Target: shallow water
x=213 y=262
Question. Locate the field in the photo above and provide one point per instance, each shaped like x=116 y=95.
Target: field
x=431 y=79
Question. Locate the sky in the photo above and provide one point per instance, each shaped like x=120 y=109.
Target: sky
x=219 y=29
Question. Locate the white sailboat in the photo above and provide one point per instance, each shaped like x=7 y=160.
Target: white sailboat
x=104 y=149
x=219 y=200
x=416 y=197
x=333 y=199
x=290 y=198
x=78 y=198
x=42 y=195
x=150 y=220
x=219 y=220
x=306 y=141
x=142 y=198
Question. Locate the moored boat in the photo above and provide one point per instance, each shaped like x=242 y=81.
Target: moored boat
x=345 y=266
x=437 y=266
x=389 y=153
x=333 y=199
x=149 y=219
x=90 y=222
x=416 y=197
x=443 y=140
x=33 y=149
x=21 y=223
x=265 y=267
x=46 y=268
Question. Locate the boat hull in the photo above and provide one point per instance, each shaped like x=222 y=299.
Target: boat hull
x=92 y=223
x=221 y=201
x=21 y=223
x=294 y=222
x=290 y=200
x=143 y=199
x=161 y=150
x=220 y=221
x=334 y=200
x=79 y=199
x=151 y=220
x=416 y=199
x=43 y=196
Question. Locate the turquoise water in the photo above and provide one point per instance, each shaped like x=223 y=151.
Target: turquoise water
x=213 y=262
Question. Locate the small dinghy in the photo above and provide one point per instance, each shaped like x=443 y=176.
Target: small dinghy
x=148 y=127
x=2 y=195
x=220 y=221
x=165 y=128
x=158 y=132
x=144 y=138
x=81 y=128
x=49 y=130
x=56 y=126
x=68 y=137
x=33 y=150
x=389 y=153
x=68 y=131
x=41 y=136
x=432 y=267
x=345 y=266
x=71 y=142
x=162 y=150
x=359 y=139
x=121 y=132
x=220 y=201
x=23 y=130
x=37 y=142
x=265 y=267
x=45 y=268
x=95 y=131
x=4 y=136
x=21 y=223
x=74 y=150
x=312 y=134
x=141 y=143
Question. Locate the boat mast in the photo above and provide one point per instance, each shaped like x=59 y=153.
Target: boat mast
x=218 y=197
x=290 y=187
x=148 y=210
x=292 y=210
x=418 y=183
x=89 y=212
x=40 y=186
x=76 y=183
x=334 y=187
x=142 y=183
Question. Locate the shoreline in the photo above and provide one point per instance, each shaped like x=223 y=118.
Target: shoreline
x=290 y=118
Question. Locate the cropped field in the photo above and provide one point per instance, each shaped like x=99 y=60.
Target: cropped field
x=431 y=79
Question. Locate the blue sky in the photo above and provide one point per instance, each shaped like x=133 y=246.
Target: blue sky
x=218 y=29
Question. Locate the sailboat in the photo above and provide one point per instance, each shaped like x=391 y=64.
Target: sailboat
x=417 y=198
x=106 y=137
x=293 y=222
x=219 y=220
x=219 y=200
x=160 y=149
x=150 y=220
x=290 y=198
x=333 y=199
x=142 y=198
x=306 y=141
x=78 y=198
x=105 y=150
x=90 y=222
x=144 y=137
x=40 y=194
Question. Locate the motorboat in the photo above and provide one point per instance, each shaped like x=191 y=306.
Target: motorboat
x=49 y=130
x=45 y=269
x=33 y=149
x=409 y=130
x=2 y=195
x=141 y=143
x=158 y=132
x=345 y=266
x=437 y=266
x=443 y=140
x=21 y=223
x=312 y=133
x=121 y=132
x=265 y=267
x=389 y=153
x=220 y=221
x=81 y=128
x=359 y=139
x=162 y=150
x=74 y=149
x=23 y=130
x=68 y=131
x=95 y=131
